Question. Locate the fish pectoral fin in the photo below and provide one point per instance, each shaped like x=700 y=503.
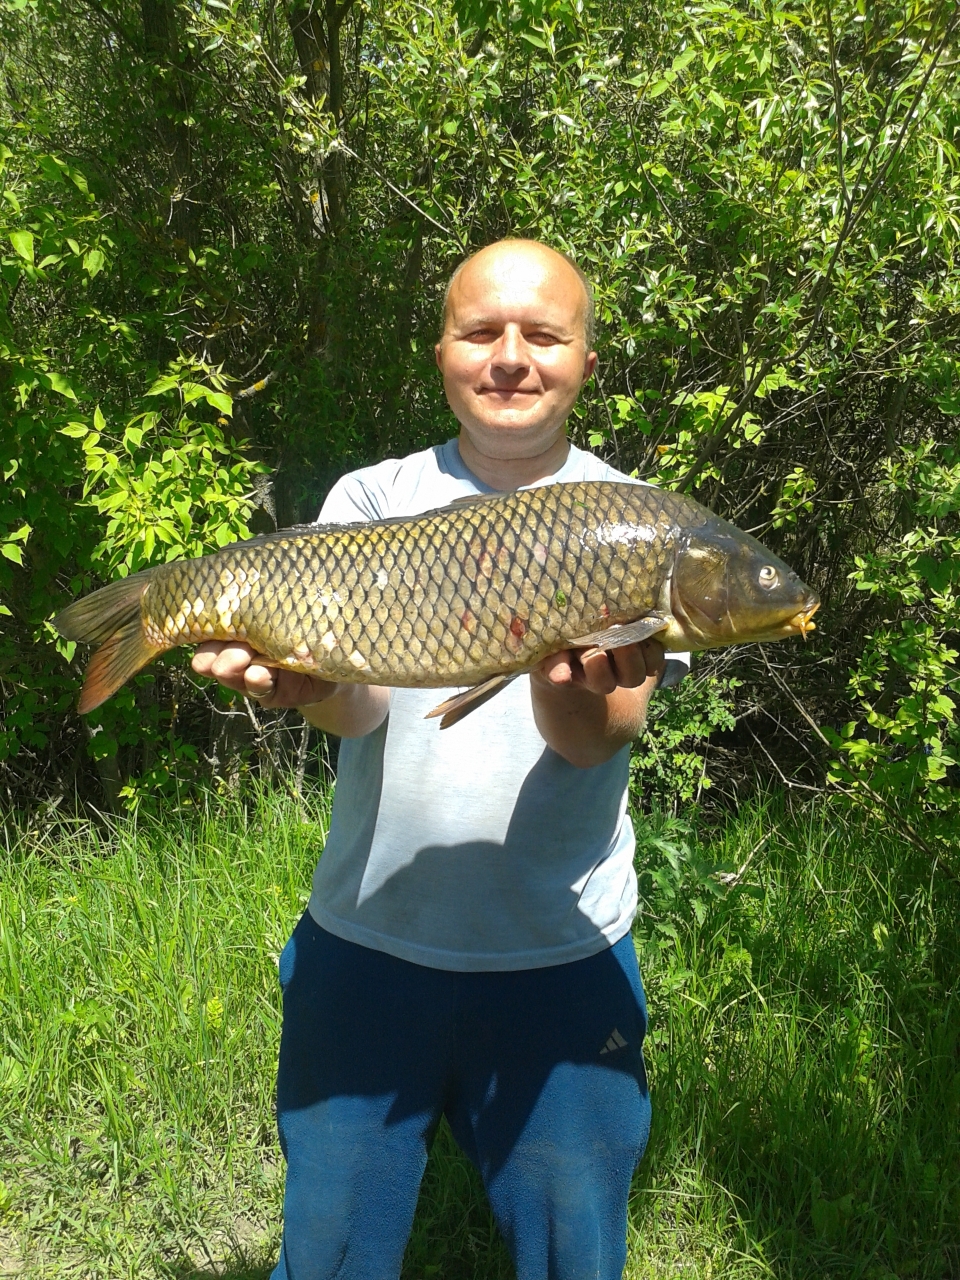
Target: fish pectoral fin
x=618 y=635
x=462 y=704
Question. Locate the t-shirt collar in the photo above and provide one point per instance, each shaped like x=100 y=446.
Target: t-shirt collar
x=455 y=465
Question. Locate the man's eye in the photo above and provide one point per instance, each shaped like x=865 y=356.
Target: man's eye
x=541 y=338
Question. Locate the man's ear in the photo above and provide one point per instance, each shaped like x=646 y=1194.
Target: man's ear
x=589 y=365
x=438 y=352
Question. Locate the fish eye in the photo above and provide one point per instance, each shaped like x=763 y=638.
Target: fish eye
x=768 y=576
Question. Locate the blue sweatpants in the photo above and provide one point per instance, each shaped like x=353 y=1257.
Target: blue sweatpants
x=540 y=1075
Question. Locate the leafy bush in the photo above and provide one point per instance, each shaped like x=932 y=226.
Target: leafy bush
x=906 y=682
x=669 y=764
x=266 y=204
x=85 y=497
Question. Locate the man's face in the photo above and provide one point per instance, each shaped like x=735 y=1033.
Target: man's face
x=513 y=353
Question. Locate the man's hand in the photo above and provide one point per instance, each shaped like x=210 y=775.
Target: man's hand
x=348 y=710
x=588 y=704
x=236 y=666
x=603 y=671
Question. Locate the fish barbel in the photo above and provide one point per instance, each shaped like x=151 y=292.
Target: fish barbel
x=468 y=595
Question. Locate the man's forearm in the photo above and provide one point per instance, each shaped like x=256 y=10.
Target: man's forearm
x=584 y=727
x=355 y=709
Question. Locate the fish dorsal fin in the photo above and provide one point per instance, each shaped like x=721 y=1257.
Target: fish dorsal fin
x=311 y=530
x=469 y=498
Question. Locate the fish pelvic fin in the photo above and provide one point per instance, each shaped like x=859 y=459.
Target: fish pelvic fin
x=111 y=618
x=461 y=704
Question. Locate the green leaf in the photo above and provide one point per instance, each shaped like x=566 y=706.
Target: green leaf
x=683 y=59
x=52 y=168
x=163 y=385
x=660 y=87
x=59 y=384
x=12 y=552
x=93 y=261
x=75 y=430
x=22 y=242
x=219 y=400
x=12 y=1074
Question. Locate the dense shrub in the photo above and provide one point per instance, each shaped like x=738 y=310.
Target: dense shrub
x=254 y=206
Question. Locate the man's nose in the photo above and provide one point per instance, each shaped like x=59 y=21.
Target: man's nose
x=511 y=354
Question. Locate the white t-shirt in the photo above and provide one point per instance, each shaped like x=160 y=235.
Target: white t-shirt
x=476 y=847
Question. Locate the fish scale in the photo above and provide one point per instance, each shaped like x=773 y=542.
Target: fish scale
x=445 y=598
x=469 y=595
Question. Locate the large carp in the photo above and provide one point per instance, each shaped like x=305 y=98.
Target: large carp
x=468 y=595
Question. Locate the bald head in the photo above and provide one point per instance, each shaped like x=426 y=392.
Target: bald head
x=514 y=354
x=526 y=260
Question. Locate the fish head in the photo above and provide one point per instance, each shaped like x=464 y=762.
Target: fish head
x=727 y=588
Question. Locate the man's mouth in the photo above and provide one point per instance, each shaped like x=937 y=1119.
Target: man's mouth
x=507 y=393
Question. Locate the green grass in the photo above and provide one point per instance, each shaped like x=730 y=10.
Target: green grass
x=804 y=1053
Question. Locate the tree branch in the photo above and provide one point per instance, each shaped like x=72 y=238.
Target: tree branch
x=852 y=219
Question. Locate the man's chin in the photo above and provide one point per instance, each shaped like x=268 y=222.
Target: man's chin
x=509 y=420
x=512 y=435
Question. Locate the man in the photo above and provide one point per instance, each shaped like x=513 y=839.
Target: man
x=466 y=951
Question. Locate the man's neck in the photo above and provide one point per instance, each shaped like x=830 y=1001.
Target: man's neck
x=512 y=473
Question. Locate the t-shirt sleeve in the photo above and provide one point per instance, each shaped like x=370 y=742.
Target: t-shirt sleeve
x=351 y=500
x=675 y=668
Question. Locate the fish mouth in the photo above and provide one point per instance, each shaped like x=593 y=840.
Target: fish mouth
x=799 y=625
x=803 y=621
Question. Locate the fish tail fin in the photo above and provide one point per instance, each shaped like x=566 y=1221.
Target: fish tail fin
x=122 y=656
x=110 y=617
x=97 y=616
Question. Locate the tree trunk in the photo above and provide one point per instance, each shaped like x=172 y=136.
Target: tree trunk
x=317 y=42
x=172 y=103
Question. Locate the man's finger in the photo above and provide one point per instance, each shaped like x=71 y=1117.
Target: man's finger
x=232 y=661
x=632 y=664
x=259 y=682
x=598 y=673
x=205 y=654
x=559 y=668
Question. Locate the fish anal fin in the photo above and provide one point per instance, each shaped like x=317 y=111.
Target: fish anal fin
x=462 y=704
x=619 y=635
x=125 y=653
